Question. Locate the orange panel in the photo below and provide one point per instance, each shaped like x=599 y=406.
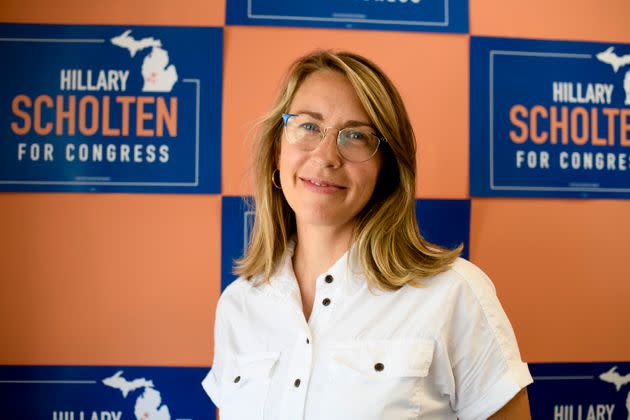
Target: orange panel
x=430 y=70
x=585 y=20
x=561 y=271
x=108 y=278
x=115 y=12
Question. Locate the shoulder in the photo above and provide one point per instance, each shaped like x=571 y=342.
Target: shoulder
x=475 y=286
x=476 y=308
x=234 y=295
x=472 y=277
x=236 y=288
x=468 y=298
x=462 y=282
x=461 y=278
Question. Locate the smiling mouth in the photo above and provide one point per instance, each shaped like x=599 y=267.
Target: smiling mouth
x=321 y=183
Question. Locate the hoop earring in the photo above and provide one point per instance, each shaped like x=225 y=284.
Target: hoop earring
x=273 y=178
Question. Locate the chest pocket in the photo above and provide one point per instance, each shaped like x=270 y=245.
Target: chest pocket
x=245 y=385
x=380 y=379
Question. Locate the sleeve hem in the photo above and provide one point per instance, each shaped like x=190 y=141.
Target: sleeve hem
x=512 y=381
x=211 y=387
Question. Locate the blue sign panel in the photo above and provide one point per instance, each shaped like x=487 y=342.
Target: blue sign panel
x=549 y=118
x=399 y=15
x=580 y=391
x=444 y=222
x=103 y=393
x=237 y=218
x=110 y=108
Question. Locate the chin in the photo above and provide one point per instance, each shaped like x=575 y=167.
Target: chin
x=323 y=218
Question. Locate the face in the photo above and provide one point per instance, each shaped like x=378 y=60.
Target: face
x=321 y=187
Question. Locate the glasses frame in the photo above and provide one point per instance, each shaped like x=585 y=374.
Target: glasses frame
x=285 y=119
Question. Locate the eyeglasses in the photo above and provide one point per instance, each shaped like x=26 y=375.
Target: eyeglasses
x=355 y=144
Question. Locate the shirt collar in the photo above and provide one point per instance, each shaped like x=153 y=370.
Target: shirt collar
x=346 y=273
x=347 y=270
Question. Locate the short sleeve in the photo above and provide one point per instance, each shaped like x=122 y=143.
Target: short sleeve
x=482 y=349
x=211 y=383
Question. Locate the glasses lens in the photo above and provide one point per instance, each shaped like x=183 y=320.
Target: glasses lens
x=303 y=132
x=357 y=144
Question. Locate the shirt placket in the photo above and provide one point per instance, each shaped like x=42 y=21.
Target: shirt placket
x=301 y=364
x=324 y=304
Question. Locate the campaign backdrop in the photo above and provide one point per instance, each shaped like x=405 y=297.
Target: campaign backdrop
x=399 y=15
x=580 y=391
x=444 y=222
x=110 y=108
x=103 y=393
x=549 y=118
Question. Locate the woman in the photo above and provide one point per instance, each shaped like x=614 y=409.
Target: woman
x=342 y=310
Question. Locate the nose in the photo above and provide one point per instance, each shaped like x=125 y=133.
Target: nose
x=326 y=152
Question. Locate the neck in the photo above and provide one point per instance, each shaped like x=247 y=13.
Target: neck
x=317 y=248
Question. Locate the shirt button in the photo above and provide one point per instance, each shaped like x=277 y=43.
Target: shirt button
x=297 y=383
x=326 y=302
x=307 y=340
x=237 y=379
x=329 y=278
x=379 y=367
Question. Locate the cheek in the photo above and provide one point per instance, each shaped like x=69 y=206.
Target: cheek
x=370 y=176
x=288 y=162
x=370 y=184
x=366 y=183
x=283 y=163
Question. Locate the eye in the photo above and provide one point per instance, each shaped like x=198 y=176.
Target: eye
x=309 y=126
x=355 y=138
x=355 y=135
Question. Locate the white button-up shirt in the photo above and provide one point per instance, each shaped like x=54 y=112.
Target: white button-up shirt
x=442 y=351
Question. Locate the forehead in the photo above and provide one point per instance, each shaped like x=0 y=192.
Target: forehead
x=329 y=93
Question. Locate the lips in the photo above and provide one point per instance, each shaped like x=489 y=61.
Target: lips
x=317 y=182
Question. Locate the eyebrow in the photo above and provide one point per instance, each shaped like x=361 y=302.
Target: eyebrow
x=349 y=123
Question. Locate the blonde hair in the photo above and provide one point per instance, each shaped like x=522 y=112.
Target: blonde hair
x=391 y=250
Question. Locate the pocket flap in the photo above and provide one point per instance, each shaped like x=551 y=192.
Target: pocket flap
x=249 y=366
x=390 y=358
